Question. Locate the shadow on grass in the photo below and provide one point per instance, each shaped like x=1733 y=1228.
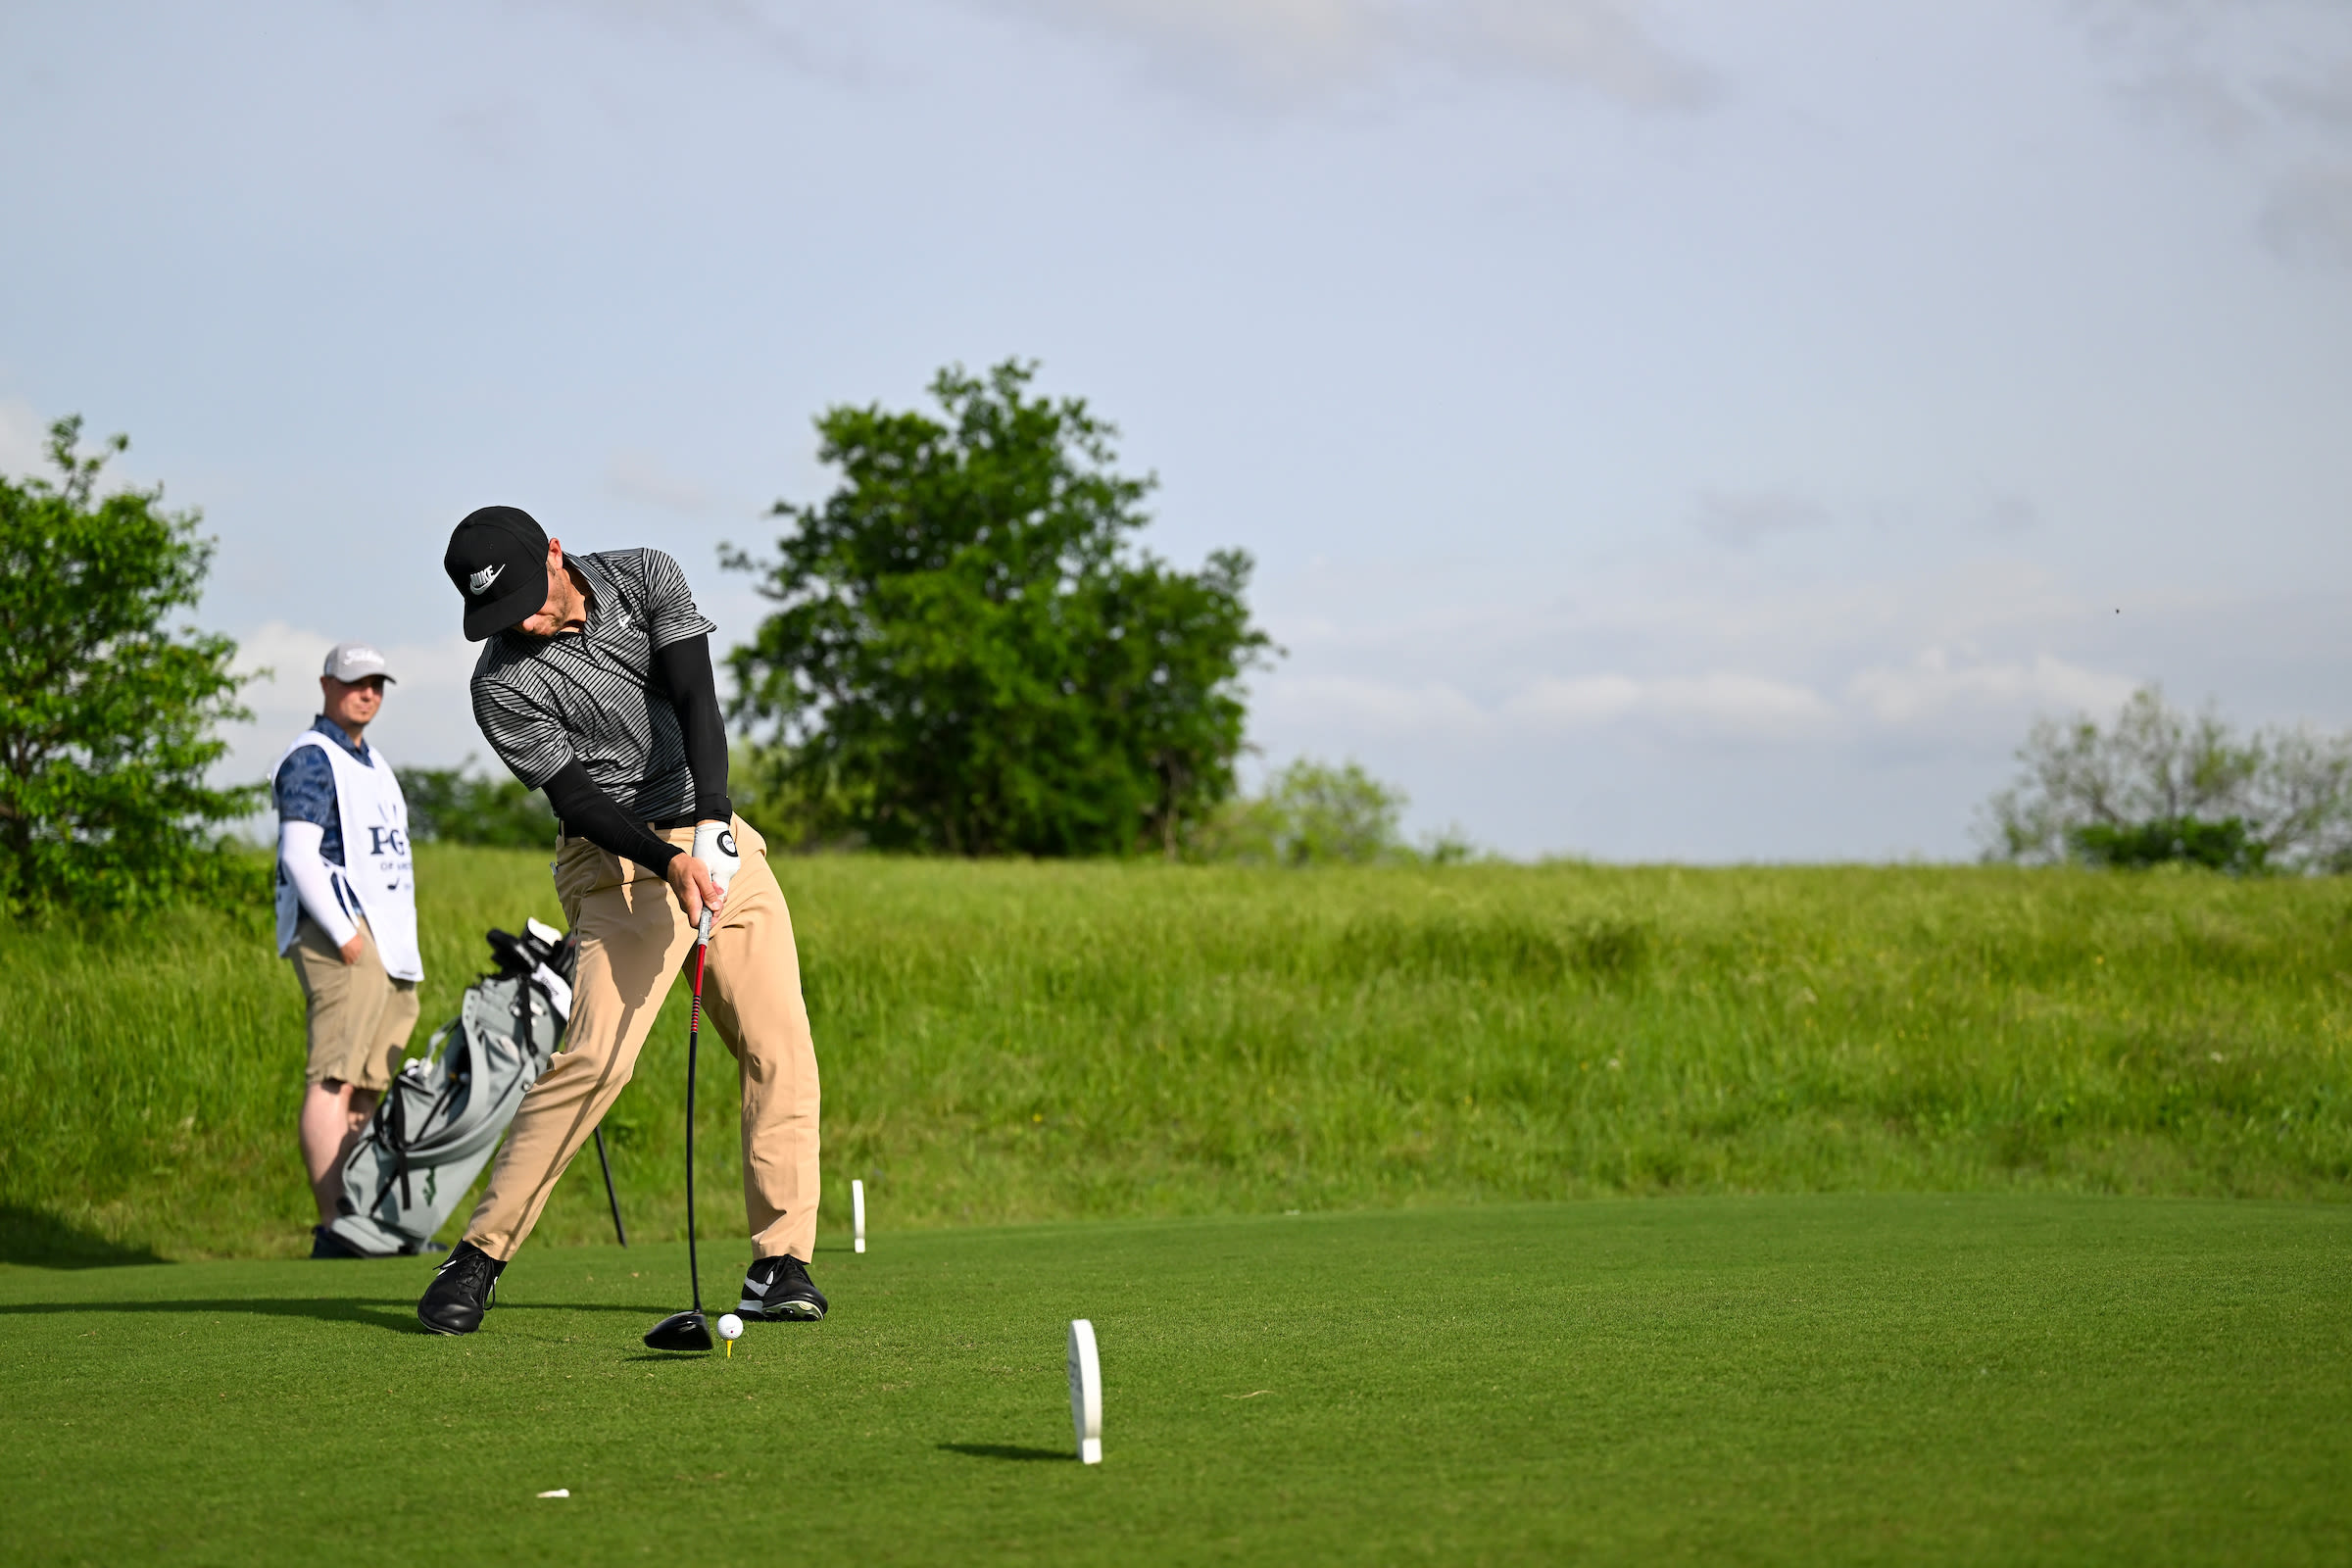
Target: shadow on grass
x=326 y=1310
x=37 y=1237
x=1005 y=1451
x=398 y=1316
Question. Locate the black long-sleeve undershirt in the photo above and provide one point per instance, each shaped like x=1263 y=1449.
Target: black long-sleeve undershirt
x=685 y=671
x=588 y=813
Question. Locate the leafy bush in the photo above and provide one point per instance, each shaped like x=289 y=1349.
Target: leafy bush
x=107 y=713
x=1312 y=814
x=2224 y=845
x=2161 y=787
x=449 y=806
x=798 y=811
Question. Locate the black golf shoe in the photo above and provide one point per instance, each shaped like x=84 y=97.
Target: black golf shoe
x=779 y=1289
x=462 y=1290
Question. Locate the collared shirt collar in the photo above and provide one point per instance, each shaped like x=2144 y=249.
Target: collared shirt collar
x=601 y=595
x=334 y=732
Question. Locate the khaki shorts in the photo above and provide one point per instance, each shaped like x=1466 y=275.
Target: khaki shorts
x=360 y=1017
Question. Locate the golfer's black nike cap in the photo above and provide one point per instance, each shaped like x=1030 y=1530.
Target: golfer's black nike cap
x=498 y=560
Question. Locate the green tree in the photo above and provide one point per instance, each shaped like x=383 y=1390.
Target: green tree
x=107 y=714
x=1312 y=814
x=2161 y=786
x=454 y=805
x=971 y=653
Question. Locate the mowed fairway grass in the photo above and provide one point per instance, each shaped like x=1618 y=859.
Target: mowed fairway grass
x=2013 y=1378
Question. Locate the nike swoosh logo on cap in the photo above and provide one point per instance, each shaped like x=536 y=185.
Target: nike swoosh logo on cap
x=480 y=582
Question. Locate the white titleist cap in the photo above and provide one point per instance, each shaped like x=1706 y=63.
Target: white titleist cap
x=354 y=663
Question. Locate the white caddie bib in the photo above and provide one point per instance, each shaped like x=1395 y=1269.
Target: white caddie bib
x=376 y=872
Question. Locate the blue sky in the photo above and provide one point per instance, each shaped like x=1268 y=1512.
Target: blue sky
x=1665 y=430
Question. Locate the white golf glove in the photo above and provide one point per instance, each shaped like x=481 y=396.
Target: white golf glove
x=714 y=847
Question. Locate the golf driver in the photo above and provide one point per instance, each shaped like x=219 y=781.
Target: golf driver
x=689 y=1330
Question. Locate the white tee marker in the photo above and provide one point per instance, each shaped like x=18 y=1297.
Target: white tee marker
x=1086 y=1392
x=856 y=1216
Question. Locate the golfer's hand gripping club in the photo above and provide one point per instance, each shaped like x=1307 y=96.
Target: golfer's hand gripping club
x=700 y=877
x=695 y=887
x=714 y=847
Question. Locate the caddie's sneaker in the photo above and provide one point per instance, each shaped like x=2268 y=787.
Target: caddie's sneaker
x=326 y=1242
x=462 y=1290
x=779 y=1289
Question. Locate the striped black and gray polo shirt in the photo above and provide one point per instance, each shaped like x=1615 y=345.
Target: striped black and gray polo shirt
x=591 y=696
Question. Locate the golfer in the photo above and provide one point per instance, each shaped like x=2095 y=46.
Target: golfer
x=346 y=917
x=595 y=685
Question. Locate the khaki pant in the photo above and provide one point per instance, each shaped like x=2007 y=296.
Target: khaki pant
x=360 y=1016
x=634 y=940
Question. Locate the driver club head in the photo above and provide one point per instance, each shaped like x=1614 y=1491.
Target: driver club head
x=680 y=1331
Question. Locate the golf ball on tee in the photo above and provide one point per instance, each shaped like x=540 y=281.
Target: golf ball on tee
x=730 y=1326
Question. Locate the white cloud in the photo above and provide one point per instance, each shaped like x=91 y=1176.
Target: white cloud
x=1429 y=707
x=1723 y=704
x=1577 y=702
x=427 y=714
x=1956 y=661
x=1934 y=683
x=1307 y=47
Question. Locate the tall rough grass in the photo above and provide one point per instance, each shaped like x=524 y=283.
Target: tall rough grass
x=1024 y=1040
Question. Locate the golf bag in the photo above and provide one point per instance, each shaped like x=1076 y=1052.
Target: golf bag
x=445 y=1112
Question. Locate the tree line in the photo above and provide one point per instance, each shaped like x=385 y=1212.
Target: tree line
x=969 y=653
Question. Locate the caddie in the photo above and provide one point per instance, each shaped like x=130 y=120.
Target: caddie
x=595 y=684
x=346 y=917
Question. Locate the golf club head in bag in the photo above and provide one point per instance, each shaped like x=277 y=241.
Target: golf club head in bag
x=539 y=945
x=681 y=1331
